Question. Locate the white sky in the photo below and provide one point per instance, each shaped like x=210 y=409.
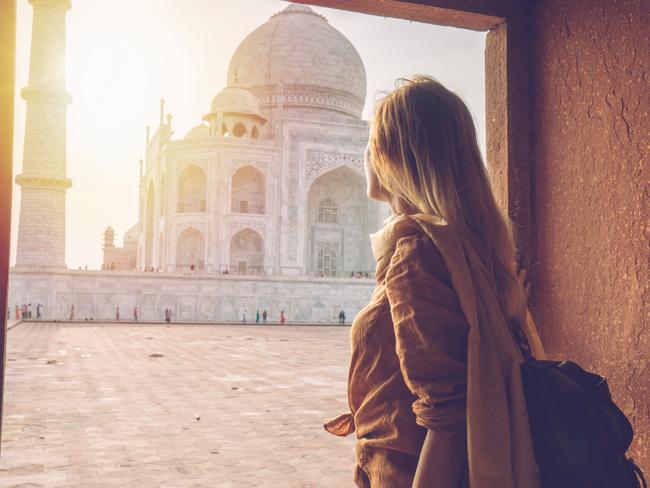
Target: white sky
x=124 y=55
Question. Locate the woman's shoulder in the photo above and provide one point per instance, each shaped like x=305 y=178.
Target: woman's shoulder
x=416 y=251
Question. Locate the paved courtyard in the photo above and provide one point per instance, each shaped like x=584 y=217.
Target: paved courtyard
x=126 y=405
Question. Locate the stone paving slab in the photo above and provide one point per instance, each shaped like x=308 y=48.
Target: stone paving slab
x=189 y=406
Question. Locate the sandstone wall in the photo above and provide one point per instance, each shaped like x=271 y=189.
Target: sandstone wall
x=590 y=143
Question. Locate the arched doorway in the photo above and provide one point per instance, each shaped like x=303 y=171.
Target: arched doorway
x=190 y=250
x=326 y=262
x=192 y=185
x=248 y=191
x=339 y=218
x=246 y=253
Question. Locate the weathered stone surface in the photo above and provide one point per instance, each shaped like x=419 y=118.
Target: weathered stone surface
x=198 y=297
x=590 y=142
x=111 y=416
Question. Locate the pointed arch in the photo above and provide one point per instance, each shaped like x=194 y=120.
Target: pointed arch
x=192 y=190
x=247 y=252
x=190 y=250
x=239 y=130
x=326 y=261
x=338 y=223
x=248 y=191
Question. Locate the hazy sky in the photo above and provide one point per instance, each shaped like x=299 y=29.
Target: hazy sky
x=124 y=55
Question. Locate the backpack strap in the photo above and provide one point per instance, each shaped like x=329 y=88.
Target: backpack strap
x=637 y=474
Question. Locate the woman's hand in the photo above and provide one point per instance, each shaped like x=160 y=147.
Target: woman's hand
x=521 y=276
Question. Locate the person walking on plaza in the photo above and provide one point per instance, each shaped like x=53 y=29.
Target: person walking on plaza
x=264 y=315
x=17 y=312
x=243 y=317
x=282 y=317
x=434 y=386
x=135 y=313
x=257 y=316
x=117 y=313
x=71 y=312
x=39 y=308
x=341 y=317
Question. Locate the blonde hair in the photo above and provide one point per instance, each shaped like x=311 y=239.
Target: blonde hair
x=424 y=149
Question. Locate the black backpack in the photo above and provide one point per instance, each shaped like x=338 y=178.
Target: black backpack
x=579 y=434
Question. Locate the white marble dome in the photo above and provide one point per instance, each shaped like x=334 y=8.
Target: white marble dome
x=131 y=236
x=298 y=49
x=236 y=100
x=198 y=132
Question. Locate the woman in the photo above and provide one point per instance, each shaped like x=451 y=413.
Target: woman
x=434 y=387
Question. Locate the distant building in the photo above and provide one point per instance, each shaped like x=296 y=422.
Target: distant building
x=120 y=258
x=273 y=181
x=262 y=206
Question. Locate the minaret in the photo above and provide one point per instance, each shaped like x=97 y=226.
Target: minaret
x=43 y=182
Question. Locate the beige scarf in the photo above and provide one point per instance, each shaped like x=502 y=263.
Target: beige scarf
x=500 y=449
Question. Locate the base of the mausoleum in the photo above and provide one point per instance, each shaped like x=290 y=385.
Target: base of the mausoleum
x=201 y=298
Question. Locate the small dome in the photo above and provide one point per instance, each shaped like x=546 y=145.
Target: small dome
x=235 y=100
x=131 y=236
x=198 y=132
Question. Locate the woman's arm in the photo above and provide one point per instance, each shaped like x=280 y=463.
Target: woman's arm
x=442 y=460
x=431 y=344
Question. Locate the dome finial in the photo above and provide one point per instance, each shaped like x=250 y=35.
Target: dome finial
x=298 y=8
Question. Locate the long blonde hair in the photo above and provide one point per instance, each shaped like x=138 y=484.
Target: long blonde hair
x=424 y=149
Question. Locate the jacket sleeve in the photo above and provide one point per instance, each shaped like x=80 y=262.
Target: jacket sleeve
x=430 y=332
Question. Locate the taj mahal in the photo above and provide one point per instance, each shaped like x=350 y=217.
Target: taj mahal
x=261 y=206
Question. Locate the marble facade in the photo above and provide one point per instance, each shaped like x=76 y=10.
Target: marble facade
x=262 y=205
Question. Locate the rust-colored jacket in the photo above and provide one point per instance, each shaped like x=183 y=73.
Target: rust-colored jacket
x=432 y=350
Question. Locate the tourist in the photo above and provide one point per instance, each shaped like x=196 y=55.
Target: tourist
x=71 y=312
x=117 y=313
x=136 y=312
x=282 y=317
x=29 y=311
x=411 y=342
x=17 y=312
x=168 y=315
x=257 y=316
x=264 y=315
x=341 y=317
x=243 y=317
x=39 y=308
